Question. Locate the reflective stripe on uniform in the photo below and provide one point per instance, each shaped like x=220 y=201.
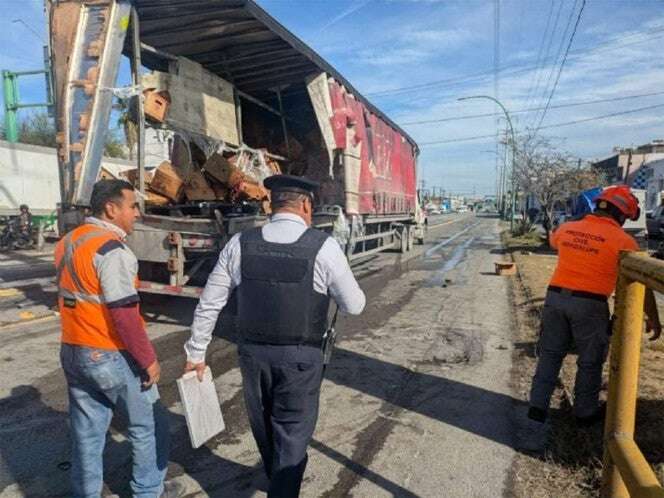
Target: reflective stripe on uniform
x=82 y=296
x=67 y=262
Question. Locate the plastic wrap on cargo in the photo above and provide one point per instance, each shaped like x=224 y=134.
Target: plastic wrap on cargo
x=253 y=164
x=340 y=228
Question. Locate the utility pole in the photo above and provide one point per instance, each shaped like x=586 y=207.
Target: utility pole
x=513 y=176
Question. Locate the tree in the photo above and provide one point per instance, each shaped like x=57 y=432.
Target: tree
x=128 y=123
x=37 y=129
x=114 y=147
x=549 y=175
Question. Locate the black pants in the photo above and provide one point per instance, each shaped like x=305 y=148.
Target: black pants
x=567 y=319
x=281 y=391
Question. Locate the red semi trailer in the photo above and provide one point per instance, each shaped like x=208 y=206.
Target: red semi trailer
x=261 y=90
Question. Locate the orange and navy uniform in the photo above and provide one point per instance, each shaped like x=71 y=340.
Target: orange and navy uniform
x=588 y=254
x=98 y=298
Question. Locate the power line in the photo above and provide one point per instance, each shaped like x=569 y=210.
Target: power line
x=562 y=65
x=601 y=47
x=556 y=125
x=559 y=51
x=541 y=69
x=538 y=60
x=532 y=109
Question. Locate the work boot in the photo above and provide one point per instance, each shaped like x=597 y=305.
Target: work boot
x=595 y=418
x=173 y=489
x=533 y=433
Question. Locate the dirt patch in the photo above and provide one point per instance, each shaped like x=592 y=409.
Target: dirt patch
x=572 y=463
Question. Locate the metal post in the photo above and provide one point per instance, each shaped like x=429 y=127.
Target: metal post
x=623 y=378
x=49 y=82
x=283 y=120
x=10 y=92
x=136 y=80
x=238 y=117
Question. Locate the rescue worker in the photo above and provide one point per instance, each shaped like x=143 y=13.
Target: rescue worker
x=576 y=308
x=108 y=360
x=284 y=274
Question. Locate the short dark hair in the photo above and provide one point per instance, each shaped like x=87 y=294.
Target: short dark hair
x=107 y=191
x=286 y=199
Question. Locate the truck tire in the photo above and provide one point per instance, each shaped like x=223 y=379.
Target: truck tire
x=410 y=231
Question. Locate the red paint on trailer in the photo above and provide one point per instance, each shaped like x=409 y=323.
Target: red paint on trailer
x=387 y=178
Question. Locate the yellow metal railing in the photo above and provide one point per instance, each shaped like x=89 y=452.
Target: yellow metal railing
x=626 y=471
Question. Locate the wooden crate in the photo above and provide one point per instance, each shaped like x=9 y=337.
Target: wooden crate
x=505 y=268
x=155 y=199
x=222 y=170
x=168 y=182
x=156 y=104
x=198 y=189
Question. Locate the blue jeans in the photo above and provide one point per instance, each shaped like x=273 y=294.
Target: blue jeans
x=99 y=381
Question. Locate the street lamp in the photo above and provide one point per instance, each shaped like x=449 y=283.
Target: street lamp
x=509 y=122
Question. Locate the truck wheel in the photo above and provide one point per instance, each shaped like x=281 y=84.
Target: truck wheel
x=410 y=238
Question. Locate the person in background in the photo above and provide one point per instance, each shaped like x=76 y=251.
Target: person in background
x=25 y=220
x=576 y=306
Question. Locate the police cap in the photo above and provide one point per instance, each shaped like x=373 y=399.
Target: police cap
x=290 y=183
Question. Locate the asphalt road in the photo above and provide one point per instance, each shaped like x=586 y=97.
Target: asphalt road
x=415 y=403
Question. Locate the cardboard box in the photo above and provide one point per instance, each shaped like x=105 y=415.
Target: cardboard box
x=167 y=182
x=198 y=189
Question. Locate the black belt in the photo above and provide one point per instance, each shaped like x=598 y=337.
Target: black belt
x=316 y=343
x=578 y=293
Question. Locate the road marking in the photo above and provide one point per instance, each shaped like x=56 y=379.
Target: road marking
x=9 y=292
x=38 y=319
x=32 y=282
x=450 y=239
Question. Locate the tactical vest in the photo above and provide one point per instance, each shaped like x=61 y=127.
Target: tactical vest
x=277 y=303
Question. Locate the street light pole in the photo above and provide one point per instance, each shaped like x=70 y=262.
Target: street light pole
x=509 y=122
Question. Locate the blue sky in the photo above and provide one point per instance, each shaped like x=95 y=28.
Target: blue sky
x=447 y=45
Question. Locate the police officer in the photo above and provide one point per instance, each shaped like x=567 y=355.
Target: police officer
x=576 y=308
x=284 y=274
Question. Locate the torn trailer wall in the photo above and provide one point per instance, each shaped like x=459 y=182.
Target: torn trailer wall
x=379 y=164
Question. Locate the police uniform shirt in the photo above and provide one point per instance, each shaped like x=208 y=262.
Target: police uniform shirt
x=332 y=275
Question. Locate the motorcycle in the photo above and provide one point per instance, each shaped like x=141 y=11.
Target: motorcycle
x=14 y=237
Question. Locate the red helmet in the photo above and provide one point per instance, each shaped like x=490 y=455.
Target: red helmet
x=622 y=198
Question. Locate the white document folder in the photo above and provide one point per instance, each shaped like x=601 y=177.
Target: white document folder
x=201 y=407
